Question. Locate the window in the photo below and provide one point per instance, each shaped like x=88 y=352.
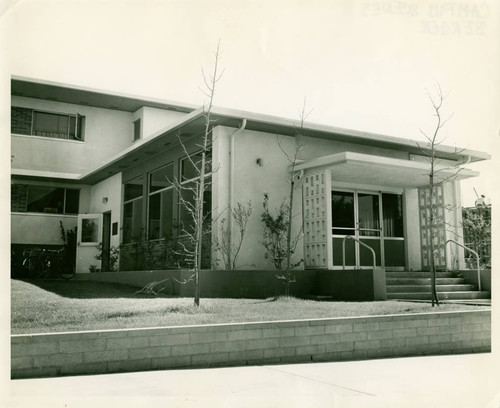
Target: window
x=90 y=229
x=132 y=210
x=137 y=129
x=161 y=196
x=392 y=211
x=44 y=199
x=26 y=121
x=189 y=169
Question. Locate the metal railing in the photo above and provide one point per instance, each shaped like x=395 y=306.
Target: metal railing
x=471 y=251
x=362 y=243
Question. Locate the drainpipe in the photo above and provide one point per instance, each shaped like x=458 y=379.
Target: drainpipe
x=231 y=182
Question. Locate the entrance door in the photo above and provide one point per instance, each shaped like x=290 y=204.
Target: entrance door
x=106 y=240
x=364 y=215
x=89 y=233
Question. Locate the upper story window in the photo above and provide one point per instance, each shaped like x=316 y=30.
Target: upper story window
x=44 y=199
x=33 y=122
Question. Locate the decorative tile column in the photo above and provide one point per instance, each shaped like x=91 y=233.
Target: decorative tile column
x=317 y=219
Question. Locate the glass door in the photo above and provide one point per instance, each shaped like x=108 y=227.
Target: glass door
x=368 y=228
x=343 y=223
x=357 y=214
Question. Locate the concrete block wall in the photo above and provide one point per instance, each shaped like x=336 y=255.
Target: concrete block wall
x=45 y=355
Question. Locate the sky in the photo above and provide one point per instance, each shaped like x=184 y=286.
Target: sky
x=359 y=64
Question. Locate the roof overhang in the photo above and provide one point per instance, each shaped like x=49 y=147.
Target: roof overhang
x=31 y=175
x=284 y=126
x=357 y=168
x=40 y=89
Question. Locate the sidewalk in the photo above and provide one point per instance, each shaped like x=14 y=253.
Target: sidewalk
x=466 y=381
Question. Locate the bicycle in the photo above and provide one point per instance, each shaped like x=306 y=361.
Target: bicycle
x=45 y=263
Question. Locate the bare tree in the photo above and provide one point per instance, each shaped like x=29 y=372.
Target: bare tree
x=192 y=195
x=435 y=178
x=226 y=245
x=280 y=228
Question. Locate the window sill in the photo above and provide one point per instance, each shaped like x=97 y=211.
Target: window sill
x=53 y=139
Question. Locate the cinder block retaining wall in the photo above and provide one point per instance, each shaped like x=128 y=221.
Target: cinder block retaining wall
x=336 y=339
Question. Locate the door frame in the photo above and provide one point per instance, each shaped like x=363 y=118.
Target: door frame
x=381 y=238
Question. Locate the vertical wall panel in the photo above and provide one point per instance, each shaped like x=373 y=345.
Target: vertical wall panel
x=316 y=192
x=439 y=225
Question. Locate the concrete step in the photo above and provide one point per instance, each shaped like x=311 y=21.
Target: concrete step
x=423 y=281
x=418 y=274
x=441 y=295
x=427 y=288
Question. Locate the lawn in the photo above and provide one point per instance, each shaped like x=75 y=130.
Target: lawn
x=55 y=306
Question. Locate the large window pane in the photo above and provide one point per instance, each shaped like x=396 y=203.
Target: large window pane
x=90 y=230
x=188 y=195
x=127 y=222
x=190 y=168
x=167 y=213
x=45 y=199
x=154 y=216
x=72 y=199
x=392 y=210
x=51 y=125
x=132 y=221
x=161 y=178
x=342 y=213
x=133 y=189
x=368 y=214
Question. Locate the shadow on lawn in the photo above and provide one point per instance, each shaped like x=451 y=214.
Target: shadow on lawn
x=77 y=289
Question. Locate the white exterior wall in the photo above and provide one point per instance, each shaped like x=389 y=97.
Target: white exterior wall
x=111 y=188
x=153 y=119
x=107 y=132
x=251 y=181
x=41 y=228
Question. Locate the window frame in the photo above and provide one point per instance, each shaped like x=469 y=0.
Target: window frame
x=65 y=199
x=158 y=192
x=192 y=180
x=131 y=201
x=79 y=127
x=185 y=158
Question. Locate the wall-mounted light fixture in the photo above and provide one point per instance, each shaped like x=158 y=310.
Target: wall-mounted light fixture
x=259 y=162
x=105 y=200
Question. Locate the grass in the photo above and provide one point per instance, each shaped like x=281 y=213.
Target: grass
x=59 y=306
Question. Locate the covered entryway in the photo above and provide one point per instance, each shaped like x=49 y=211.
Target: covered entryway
x=373 y=199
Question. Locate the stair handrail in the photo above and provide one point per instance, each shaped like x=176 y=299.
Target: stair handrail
x=362 y=243
x=470 y=250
